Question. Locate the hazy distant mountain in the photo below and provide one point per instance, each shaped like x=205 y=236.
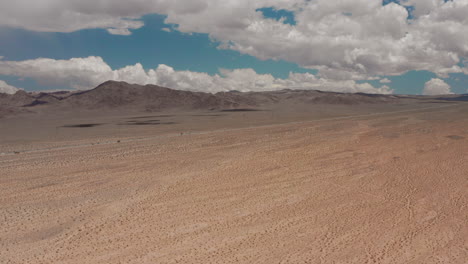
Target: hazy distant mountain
x=121 y=95
x=113 y=94
x=18 y=99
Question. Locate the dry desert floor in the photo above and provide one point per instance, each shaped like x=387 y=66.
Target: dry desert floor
x=365 y=187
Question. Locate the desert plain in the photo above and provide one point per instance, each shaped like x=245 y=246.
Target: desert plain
x=327 y=183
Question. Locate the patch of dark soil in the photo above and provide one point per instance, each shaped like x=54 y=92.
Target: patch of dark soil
x=144 y=117
x=149 y=123
x=82 y=125
x=241 y=110
x=442 y=102
x=208 y=115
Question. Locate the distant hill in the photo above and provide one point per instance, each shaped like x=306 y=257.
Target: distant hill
x=113 y=94
x=152 y=98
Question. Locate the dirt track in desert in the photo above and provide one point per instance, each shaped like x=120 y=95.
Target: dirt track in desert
x=390 y=188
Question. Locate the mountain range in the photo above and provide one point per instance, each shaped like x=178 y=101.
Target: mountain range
x=113 y=95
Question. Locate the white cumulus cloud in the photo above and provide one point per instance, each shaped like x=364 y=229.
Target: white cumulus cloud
x=385 y=80
x=343 y=39
x=86 y=73
x=6 y=88
x=436 y=87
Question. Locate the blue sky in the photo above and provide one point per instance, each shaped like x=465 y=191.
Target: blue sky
x=151 y=46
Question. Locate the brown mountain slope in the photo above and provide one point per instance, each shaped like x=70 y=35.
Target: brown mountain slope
x=113 y=94
x=132 y=97
x=18 y=99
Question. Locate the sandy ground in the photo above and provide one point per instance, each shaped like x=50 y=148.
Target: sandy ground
x=348 y=187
